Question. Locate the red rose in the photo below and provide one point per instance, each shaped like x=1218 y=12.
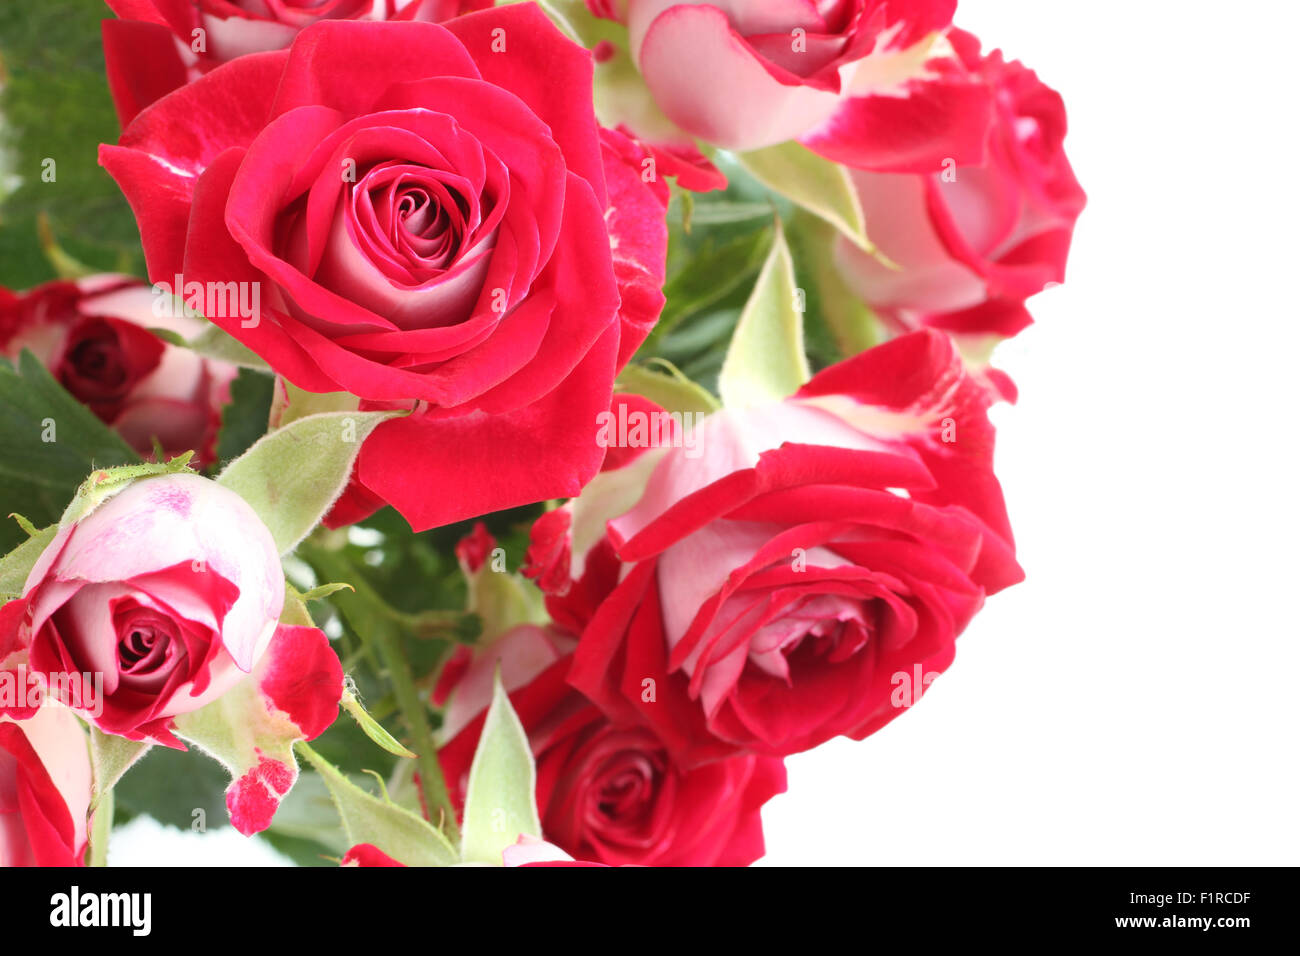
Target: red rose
x=424 y=210
x=93 y=337
x=974 y=241
x=44 y=790
x=805 y=571
x=160 y=45
x=610 y=793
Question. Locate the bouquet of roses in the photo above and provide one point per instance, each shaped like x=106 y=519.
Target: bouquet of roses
x=589 y=399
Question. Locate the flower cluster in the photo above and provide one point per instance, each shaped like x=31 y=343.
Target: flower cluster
x=485 y=260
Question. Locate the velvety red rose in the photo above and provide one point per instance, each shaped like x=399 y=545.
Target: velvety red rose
x=805 y=573
x=424 y=209
x=157 y=46
x=974 y=241
x=870 y=83
x=45 y=781
x=610 y=793
x=93 y=337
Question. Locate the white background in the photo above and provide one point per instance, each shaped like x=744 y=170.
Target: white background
x=1135 y=700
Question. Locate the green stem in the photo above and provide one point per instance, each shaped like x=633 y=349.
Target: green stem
x=411 y=704
x=360 y=607
x=101 y=825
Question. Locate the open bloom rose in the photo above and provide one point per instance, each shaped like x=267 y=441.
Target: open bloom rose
x=424 y=209
x=45 y=780
x=93 y=337
x=606 y=792
x=159 y=45
x=972 y=242
x=864 y=82
x=157 y=602
x=805 y=573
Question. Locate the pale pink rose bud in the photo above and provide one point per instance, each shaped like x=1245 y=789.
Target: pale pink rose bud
x=155 y=603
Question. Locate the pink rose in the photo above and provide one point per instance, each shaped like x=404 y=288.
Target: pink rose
x=160 y=600
x=530 y=851
x=159 y=45
x=93 y=337
x=863 y=82
x=813 y=560
x=426 y=210
x=974 y=241
x=45 y=781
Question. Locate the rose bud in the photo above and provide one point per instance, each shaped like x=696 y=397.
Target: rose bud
x=93 y=335
x=159 y=45
x=869 y=83
x=609 y=793
x=805 y=572
x=45 y=781
x=969 y=243
x=155 y=603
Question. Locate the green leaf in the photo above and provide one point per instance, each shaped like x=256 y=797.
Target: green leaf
x=852 y=326
x=728 y=213
x=373 y=728
x=819 y=185
x=669 y=389
x=292 y=476
x=292 y=403
x=51 y=442
x=215 y=343
x=244 y=417
x=103 y=483
x=502 y=600
x=765 y=361
x=324 y=591
x=26 y=525
x=17 y=564
x=366 y=818
x=55 y=105
x=712 y=272
x=500 y=803
x=111 y=757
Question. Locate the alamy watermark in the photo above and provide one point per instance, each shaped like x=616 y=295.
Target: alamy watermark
x=642 y=429
x=224 y=300
x=83 y=692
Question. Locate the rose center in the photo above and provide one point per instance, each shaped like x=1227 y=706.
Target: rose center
x=628 y=791
x=99 y=360
x=147 y=648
